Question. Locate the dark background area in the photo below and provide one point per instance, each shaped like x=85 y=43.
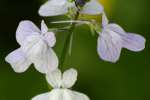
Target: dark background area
x=128 y=79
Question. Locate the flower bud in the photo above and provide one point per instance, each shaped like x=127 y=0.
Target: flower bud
x=81 y=2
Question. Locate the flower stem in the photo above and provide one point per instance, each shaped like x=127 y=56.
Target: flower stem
x=67 y=41
x=72 y=21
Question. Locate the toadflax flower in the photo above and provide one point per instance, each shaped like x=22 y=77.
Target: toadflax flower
x=113 y=38
x=60 y=7
x=61 y=82
x=35 y=47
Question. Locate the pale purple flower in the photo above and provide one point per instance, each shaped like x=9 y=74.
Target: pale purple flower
x=61 y=82
x=113 y=38
x=60 y=7
x=35 y=47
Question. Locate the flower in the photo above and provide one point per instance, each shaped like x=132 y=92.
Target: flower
x=35 y=47
x=60 y=7
x=113 y=38
x=61 y=82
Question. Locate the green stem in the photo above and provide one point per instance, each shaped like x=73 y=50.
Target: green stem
x=66 y=44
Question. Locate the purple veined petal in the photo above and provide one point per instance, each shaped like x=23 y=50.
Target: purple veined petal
x=34 y=47
x=46 y=62
x=116 y=28
x=54 y=8
x=50 y=38
x=105 y=20
x=73 y=95
x=69 y=78
x=18 y=61
x=37 y=50
x=44 y=27
x=133 y=42
x=92 y=7
x=109 y=46
x=25 y=29
x=54 y=78
x=52 y=60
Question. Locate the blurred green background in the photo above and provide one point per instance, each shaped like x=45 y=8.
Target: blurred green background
x=128 y=79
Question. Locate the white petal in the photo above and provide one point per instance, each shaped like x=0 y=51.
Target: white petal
x=34 y=47
x=109 y=46
x=44 y=27
x=46 y=62
x=44 y=96
x=55 y=94
x=133 y=42
x=69 y=78
x=25 y=29
x=18 y=61
x=50 y=38
x=36 y=50
x=73 y=95
x=53 y=8
x=93 y=7
x=40 y=54
x=104 y=20
x=54 y=78
x=116 y=28
x=67 y=94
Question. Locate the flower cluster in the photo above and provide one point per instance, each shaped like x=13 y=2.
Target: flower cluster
x=36 y=45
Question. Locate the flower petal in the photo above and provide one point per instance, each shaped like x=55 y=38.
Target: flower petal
x=44 y=27
x=53 y=8
x=50 y=38
x=34 y=47
x=73 y=95
x=116 y=28
x=133 y=42
x=55 y=94
x=46 y=62
x=69 y=78
x=40 y=54
x=25 y=29
x=92 y=7
x=36 y=50
x=109 y=46
x=104 y=20
x=18 y=61
x=54 y=78
x=44 y=96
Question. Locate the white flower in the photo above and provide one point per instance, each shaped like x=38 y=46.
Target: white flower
x=36 y=47
x=61 y=82
x=113 y=38
x=60 y=7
